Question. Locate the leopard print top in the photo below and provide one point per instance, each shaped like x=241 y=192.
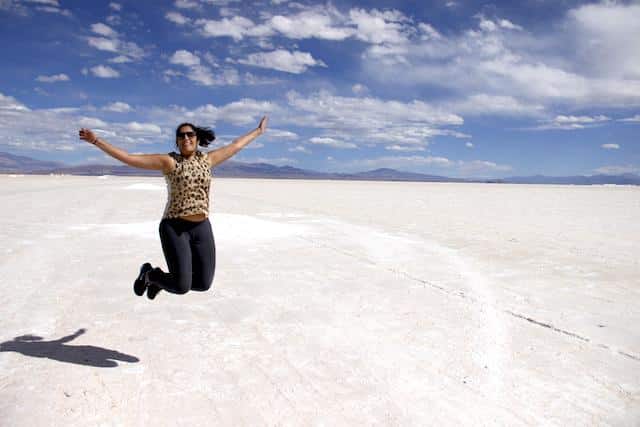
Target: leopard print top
x=188 y=186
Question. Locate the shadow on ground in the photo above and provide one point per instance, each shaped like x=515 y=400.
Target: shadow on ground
x=32 y=345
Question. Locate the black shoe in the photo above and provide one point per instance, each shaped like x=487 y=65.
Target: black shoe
x=140 y=284
x=153 y=290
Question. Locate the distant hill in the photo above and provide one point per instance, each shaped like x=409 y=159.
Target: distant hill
x=10 y=163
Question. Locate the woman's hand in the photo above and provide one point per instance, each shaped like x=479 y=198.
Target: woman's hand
x=88 y=135
x=262 y=127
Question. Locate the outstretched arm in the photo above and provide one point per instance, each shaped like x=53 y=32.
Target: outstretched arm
x=71 y=337
x=221 y=154
x=144 y=161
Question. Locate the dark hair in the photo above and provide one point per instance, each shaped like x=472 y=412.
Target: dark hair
x=204 y=135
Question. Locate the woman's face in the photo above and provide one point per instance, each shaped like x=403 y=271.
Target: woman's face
x=187 y=140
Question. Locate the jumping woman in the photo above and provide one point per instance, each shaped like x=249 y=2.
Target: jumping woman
x=185 y=230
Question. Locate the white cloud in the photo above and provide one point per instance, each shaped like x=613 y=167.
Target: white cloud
x=102 y=43
x=9 y=103
x=245 y=111
x=299 y=149
x=121 y=59
x=202 y=74
x=359 y=89
x=610 y=146
x=237 y=27
x=380 y=27
x=634 y=119
x=617 y=170
x=184 y=57
x=427 y=32
x=606 y=38
x=54 y=78
x=580 y=119
x=104 y=72
x=115 y=6
x=118 y=107
x=282 y=60
x=103 y=30
x=330 y=142
x=573 y=122
x=278 y=134
x=176 y=18
x=54 y=3
x=587 y=59
x=504 y=23
x=337 y=112
x=110 y=41
x=404 y=148
x=469 y=145
x=485 y=104
x=321 y=23
x=143 y=128
x=91 y=122
x=186 y=4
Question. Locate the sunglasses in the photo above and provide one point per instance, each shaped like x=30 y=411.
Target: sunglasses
x=185 y=134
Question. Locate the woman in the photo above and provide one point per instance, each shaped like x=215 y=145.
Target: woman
x=185 y=231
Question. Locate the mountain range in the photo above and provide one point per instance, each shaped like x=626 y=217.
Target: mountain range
x=13 y=164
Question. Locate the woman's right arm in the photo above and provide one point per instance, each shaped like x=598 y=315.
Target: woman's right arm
x=161 y=162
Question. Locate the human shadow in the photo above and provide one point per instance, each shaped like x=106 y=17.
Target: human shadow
x=32 y=345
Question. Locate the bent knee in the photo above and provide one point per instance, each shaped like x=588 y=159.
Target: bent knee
x=202 y=286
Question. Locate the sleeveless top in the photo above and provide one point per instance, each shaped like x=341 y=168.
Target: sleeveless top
x=188 y=186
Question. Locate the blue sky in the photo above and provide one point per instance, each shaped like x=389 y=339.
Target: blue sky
x=455 y=88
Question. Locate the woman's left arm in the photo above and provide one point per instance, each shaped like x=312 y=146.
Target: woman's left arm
x=221 y=154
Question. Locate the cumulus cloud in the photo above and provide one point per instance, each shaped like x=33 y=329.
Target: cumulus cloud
x=573 y=122
x=485 y=104
x=143 y=128
x=103 y=30
x=610 y=146
x=91 y=122
x=299 y=149
x=588 y=59
x=9 y=103
x=186 y=4
x=184 y=57
x=110 y=41
x=237 y=28
x=330 y=142
x=283 y=60
x=200 y=73
x=118 y=107
x=321 y=23
x=105 y=44
x=359 y=89
x=54 y=78
x=104 y=72
x=281 y=134
x=176 y=18
x=49 y=6
x=404 y=148
x=378 y=27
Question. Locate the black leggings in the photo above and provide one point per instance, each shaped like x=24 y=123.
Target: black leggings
x=190 y=252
